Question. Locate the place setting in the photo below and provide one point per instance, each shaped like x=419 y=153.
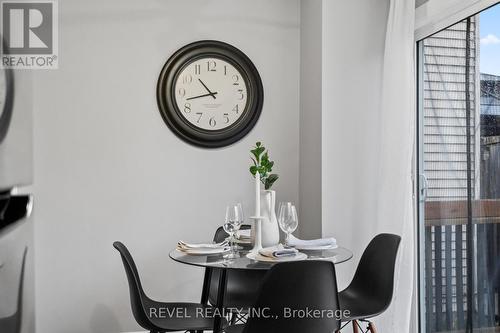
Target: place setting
x=203 y=249
x=293 y=248
x=288 y=222
x=228 y=247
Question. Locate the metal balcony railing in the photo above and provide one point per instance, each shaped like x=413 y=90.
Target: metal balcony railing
x=447 y=259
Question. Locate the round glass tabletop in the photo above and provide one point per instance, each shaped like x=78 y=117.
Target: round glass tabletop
x=337 y=255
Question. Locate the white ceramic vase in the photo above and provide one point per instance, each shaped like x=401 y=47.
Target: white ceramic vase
x=269 y=227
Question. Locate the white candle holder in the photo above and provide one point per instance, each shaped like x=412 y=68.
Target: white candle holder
x=257 y=233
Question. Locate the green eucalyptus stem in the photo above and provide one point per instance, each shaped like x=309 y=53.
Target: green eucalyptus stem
x=263 y=165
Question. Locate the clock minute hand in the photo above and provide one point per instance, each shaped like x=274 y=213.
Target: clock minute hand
x=209 y=92
x=204 y=95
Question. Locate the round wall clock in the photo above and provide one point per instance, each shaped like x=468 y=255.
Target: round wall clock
x=6 y=99
x=210 y=94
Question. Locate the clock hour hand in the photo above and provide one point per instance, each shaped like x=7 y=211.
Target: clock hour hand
x=204 y=95
x=209 y=92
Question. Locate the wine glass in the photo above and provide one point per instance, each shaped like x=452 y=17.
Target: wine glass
x=288 y=220
x=232 y=223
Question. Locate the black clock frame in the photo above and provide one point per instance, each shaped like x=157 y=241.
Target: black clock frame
x=171 y=114
x=8 y=106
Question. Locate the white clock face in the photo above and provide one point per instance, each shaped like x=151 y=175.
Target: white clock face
x=211 y=94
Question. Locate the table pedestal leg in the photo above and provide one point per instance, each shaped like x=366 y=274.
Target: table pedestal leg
x=205 y=291
x=206 y=286
x=220 y=301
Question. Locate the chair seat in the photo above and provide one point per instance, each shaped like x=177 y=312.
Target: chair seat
x=358 y=305
x=182 y=316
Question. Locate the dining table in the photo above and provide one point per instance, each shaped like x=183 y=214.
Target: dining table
x=336 y=255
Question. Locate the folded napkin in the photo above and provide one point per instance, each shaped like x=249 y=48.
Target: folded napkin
x=294 y=241
x=278 y=251
x=190 y=246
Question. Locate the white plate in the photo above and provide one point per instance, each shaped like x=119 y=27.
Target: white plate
x=316 y=248
x=259 y=257
x=205 y=251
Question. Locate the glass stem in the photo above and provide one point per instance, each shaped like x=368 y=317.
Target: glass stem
x=287 y=238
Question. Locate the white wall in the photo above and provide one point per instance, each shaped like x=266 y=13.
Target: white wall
x=107 y=168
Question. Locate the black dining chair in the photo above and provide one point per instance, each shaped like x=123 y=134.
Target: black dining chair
x=241 y=285
x=12 y=324
x=288 y=290
x=147 y=312
x=370 y=291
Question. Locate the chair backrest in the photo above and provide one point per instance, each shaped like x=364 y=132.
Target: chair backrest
x=219 y=236
x=137 y=296
x=289 y=296
x=375 y=272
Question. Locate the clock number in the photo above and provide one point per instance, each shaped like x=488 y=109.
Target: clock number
x=236 y=80
x=225 y=70
x=187 y=107
x=235 y=109
x=226 y=118
x=182 y=92
x=197 y=69
x=211 y=66
x=240 y=93
x=187 y=79
x=199 y=116
x=212 y=122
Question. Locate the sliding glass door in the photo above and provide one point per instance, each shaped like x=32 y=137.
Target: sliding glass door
x=459 y=167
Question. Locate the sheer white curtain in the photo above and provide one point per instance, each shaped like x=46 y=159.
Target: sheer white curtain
x=395 y=161
x=368 y=136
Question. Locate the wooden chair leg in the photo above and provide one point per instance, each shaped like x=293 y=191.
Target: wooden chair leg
x=371 y=327
x=355 y=327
